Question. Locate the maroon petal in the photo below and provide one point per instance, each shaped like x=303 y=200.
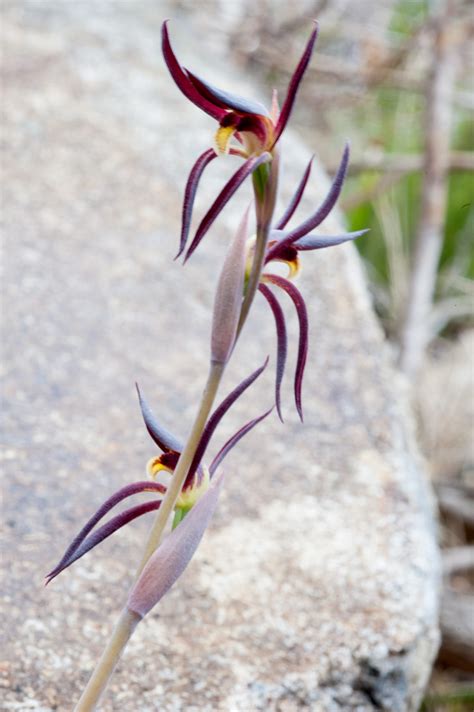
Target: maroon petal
x=215 y=419
x=281 y=341
x=182 y=80
x=104 y=532
x=78 y=542
x=295 y=82
x=225 y=100
x=302 y=313
x=190 y=193
x=325 y=208
x=169 y=561
x=295 y=201
x=318 y=242
x=162 y=437
x=232 y=442
x=224 y=196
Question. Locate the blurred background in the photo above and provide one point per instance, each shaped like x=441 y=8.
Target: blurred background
x=396 y=77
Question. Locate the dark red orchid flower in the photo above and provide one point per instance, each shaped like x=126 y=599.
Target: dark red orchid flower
x=255 y=130
x=195 y=486
x=285 y=246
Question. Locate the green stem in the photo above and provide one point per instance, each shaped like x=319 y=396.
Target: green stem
x=254 y=279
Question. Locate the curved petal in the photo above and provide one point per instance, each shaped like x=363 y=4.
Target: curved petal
x=104 y=532
x=232 y=442
x=190 y=194
x=281 y=341
x=224 y=99
x=321 y=213
x=295 y=201
x=224 y=196
x=182 y=80
x=160 y=435
x=215 y=419
x=78 y=541
x=302 y=313
x=295 y=83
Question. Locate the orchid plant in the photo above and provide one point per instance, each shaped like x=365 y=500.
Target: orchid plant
x=188 y=495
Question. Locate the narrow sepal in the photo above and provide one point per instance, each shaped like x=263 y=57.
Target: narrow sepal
x=228 y=298
x=79 y=541
x=224 y=196
x=232 y=442
x=295 y=201
x=319 y=242
x=302 y=313
x=321 y=213
x=190 y=194
x=325 y=208
x=215 y=419
x=225 y=99
x=281 y=342
x=182 y=80
x=160 y=435
x=295 y=83
x=169 y=561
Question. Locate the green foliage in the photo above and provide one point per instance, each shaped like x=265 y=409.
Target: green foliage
x=396 y=126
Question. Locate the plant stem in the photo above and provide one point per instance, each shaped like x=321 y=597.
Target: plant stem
x=254 y=279
x=123 y=630
x=265 y=199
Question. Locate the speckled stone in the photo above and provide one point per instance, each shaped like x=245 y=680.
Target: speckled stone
x=316 y=587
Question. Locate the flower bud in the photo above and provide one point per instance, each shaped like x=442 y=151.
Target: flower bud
x=228 y=299
x=171 y=558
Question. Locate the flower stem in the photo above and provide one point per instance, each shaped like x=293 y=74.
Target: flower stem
x=265 y=190
x=123 y=630
x=254 y=279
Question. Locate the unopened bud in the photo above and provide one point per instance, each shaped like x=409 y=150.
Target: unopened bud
x=228 y=299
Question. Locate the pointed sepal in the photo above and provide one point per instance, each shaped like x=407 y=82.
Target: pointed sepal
x=250 y=165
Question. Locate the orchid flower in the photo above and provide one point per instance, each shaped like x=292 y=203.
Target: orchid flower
x=197 y=481
x=285 y=246
x=255 y=130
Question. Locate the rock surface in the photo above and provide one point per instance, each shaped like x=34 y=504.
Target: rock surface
x=316 y=588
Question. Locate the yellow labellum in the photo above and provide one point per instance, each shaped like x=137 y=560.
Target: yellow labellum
x=222 y=139
x=154 y=466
